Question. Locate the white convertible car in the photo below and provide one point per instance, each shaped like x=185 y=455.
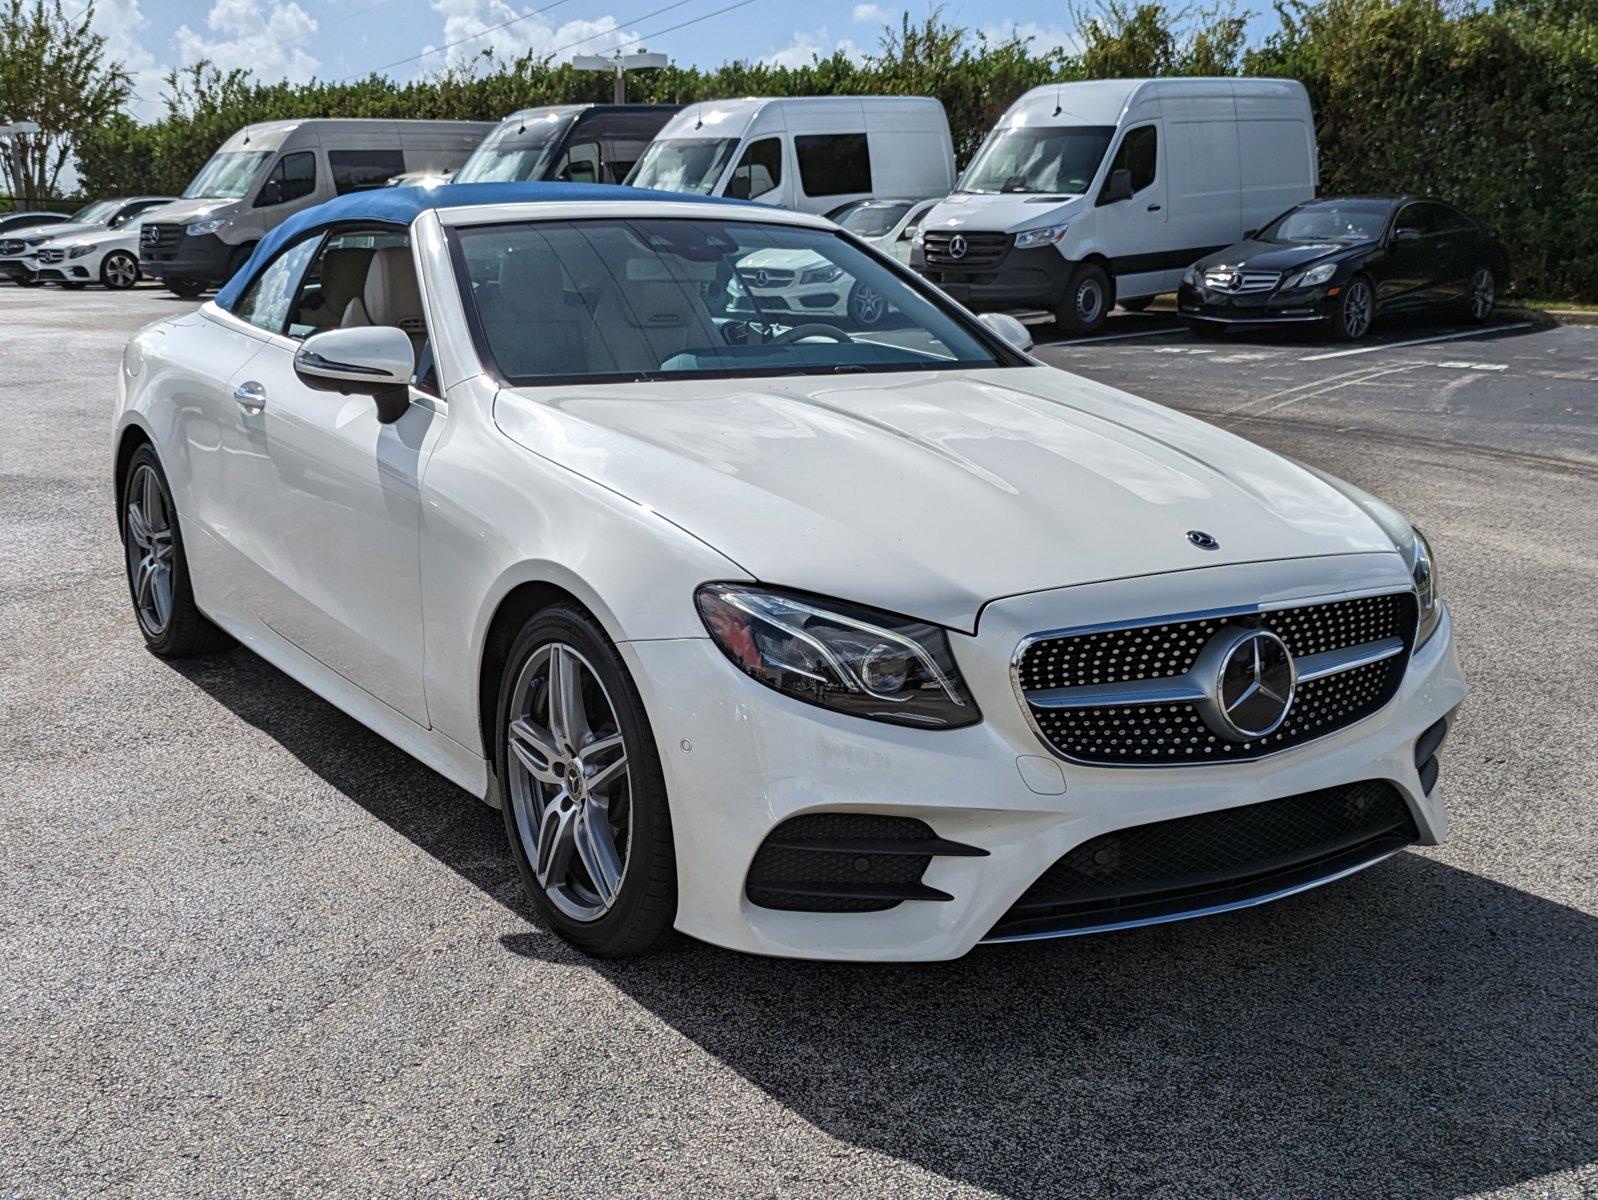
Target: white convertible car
x=804 y=639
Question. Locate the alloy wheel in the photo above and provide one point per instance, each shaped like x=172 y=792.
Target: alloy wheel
x=1482 y=294
x=866 y=304
x=570 y=786
x=149 y=546
x=1357 y=305
x=120 y=271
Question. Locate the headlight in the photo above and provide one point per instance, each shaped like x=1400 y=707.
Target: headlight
x=80 y=251
x=201 y=228
x=1313 y=276
x=1032 y=238
x=1191 y=277
x=840 y=656
x=920 y=238
x=820 y=274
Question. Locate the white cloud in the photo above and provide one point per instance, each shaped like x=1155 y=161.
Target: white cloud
x=122 y=24
x=269 y=41
x=1039 y=38
x=464 y=19
x=807 y=46
x=872 y=14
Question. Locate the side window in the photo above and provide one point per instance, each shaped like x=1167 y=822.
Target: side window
x=1449 y=220
x=758 y=171
x=1139 y=154
x=293 y=177
x=833 y=164
x=266 y=302
x=579 y=164
x=1415 y=218
x=358 y=170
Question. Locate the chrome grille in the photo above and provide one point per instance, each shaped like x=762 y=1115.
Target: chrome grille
x=979 y=249
x=1081 y=689
x=154 y=235
x=52 y=255
x=1240 y=283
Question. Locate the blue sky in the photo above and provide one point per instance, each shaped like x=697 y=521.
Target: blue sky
x=331 y=39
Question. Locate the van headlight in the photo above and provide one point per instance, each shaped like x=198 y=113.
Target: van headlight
x=840 y=656
x=201 y=228
x=1312 y=277
x=1031 y=239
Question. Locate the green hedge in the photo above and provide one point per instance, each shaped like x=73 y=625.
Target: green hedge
x=1492 y=109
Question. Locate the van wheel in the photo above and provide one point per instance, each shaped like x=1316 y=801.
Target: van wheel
x=187 y=288
x=1140 y=304
x=1087 y=302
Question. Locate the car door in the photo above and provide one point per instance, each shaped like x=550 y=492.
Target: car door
x=1133 y=229
x=1409 y=267
x=331 y=495
x=1456 y=253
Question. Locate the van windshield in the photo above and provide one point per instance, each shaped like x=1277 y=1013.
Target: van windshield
x=515 y=152
x=1060 y=159
x=228 y=176
x=684 y=164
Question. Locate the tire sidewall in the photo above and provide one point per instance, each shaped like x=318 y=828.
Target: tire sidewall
x=633 y=922
x=105 y=271
x=182 y=591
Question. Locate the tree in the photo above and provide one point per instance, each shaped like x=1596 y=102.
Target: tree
x=53 y=72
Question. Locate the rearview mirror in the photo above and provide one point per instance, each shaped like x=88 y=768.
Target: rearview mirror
x=1011 y=331
x=374 y=360
x=1118 y=187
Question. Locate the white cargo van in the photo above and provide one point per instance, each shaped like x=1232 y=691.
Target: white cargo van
x=809 y=153
x=577 y=143
x=265 y=173
x=1086 y=194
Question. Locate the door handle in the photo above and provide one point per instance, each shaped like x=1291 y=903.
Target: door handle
x=251 y=397
x=1154 y=208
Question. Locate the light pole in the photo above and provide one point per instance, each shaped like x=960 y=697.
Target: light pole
x=10 y=133
x=619 y=65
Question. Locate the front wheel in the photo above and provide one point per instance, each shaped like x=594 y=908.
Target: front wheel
x=119 y=271
x=1481 y=294
x=866 y=305
x=584 y=796
x=1356 y=309
x=186 y=288
x=1087 y=302
x=158 y=572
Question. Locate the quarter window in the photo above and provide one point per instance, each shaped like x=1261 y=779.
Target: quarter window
x=359 y=170
x=266 y=302
x=833 y=164
x=1139 y=154
x=758 y=171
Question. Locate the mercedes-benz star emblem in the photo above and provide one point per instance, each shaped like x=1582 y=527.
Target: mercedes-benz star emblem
x=1202 y=540
x=761 y=278
x=1234 y=281
x=1250 y=680
x=957 y=246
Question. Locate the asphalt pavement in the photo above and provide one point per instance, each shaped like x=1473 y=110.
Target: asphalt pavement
x=251 y=949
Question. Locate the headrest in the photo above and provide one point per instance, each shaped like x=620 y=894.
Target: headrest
x=344 y=276
x=392 y=296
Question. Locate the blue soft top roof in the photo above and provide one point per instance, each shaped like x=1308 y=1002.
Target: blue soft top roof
x=402 y=205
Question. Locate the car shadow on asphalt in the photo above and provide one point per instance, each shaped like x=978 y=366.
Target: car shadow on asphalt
x=1415 y=1030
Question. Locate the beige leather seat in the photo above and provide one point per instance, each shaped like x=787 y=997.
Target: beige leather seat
x=537 y=327
x=343 y=279
x=391 y=295
x=651 y=321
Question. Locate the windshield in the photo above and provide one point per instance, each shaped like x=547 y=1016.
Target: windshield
x=1061 y=160
x=612 y=300
x=228 y=176
x=1334 y=221
x=97 y=213
x=515 y=152
x=684 y=164
x=872 y=218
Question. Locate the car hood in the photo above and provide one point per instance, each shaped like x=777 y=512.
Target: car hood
x=181 y=212
x=773 y=258
x=1274 y=256
x=57 y=233
x=127 y=236
x=930 y=493
x=1008 y=212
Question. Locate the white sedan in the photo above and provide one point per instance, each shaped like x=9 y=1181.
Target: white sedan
x=102 y=249
x=799 y=640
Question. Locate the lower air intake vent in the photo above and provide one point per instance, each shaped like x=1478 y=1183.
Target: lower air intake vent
x=1180 y=868
x=847 y=862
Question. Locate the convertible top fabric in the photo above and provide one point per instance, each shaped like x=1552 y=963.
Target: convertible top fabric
x=401 y=205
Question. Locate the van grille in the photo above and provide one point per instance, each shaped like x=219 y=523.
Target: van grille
x=159 y=237
x=977 y=249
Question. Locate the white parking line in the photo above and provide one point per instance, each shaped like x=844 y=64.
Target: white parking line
x=1116 y=337
x=1462 y=365
x=1442 y=337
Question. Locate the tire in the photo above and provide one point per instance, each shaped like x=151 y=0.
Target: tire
x=26 y=280
x=1356 y=310
x=866 y=305
x=186 y=288
x=119 y=270
x=1087 y=302
x=1481 y=296
x=1205 y=329
x=158 y=571
x=623 y=822
x=1140 y=304
x=238 y=258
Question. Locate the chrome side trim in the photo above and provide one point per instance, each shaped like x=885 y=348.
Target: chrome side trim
x=1335 y=662
x=1208 y=910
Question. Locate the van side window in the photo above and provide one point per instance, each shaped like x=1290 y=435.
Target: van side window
x=358 y=170
x=1138 y=153
x=265 y=302
x=758 y=171
x=833 y=164
x=293 y=177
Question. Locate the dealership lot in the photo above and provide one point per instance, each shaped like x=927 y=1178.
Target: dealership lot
x=251 y=947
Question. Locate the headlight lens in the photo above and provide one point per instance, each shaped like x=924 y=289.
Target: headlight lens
x=1313 y=277
x=840 y=656
x=201 y=228
x=80 y=251
x=1030 y=239
x=1191 y=277
x=1423 y=570
x=821 y=274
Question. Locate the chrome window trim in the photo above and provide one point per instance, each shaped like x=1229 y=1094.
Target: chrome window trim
x=1381 y=651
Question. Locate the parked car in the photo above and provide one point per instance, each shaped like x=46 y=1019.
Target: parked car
x=109 y=256
x=576 y=143
x=19 y=251
x=889 y=224
x=266 y=173
x=808 y=153
x=1344 y=261
x=1089 y=194
x=807 y=643
x=28 y=218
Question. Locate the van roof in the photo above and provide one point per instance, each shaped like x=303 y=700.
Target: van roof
x=1102 y=101
x=269 y=135
x=708 y=117
x=561 y=110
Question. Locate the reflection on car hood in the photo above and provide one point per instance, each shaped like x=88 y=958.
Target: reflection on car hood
x=1006 y=212
x=56 y=232
x=182 y=212
x=776 y=259
x=1277 y=256
x=929 y=493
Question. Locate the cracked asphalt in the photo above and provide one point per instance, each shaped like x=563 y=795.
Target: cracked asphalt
x=251 y=949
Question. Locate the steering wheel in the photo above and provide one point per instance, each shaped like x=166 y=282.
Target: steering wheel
x=814 y=329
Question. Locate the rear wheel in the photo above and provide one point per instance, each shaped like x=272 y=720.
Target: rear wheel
x=187 y=288
x=1481 y=294
x=119 y=271
x=1087 y=302
x=1356 y=309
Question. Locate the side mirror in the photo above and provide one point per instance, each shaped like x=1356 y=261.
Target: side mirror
x=373 y=360
x=1405 y=235
x=1249 y=233
x=909 y=232
x=1118 y=187
x=1011 y=331
x=271 y=193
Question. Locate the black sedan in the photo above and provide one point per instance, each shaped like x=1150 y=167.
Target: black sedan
x=1345 y=261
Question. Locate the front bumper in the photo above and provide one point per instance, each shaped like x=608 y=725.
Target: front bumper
x=16 y=269
x=740 y=759
x=1293 y=306
x=65 y=272
x=203 y=259
x=1036 y=278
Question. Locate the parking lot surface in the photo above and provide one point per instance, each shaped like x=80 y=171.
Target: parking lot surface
x=251 y=949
